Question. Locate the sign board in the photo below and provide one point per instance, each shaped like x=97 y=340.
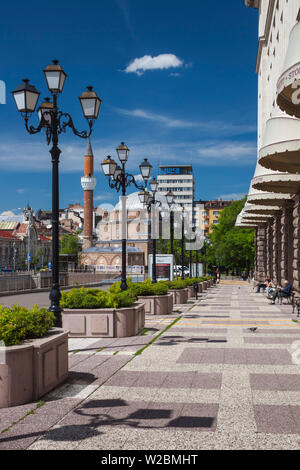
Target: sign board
x=172 y=171
x=28 y=257
x=164 y=267
x=49 y=265
x=200 y=270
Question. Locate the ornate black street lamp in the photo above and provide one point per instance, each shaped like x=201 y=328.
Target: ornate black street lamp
x=54 y=122
x=170 y=200
x=120 y=180
x=197 y=264
x=149 y=200
x=28 y=212
x=182 y=242
x=190 y=264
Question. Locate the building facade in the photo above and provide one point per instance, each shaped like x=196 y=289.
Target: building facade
x=17 y=239
x=105 y=252
x=273 y=204
x=180 y=180
x=207 y=214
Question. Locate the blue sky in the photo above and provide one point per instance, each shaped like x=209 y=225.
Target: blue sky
x=178 y=85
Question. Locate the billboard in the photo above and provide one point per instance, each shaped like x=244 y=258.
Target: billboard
x=164 y=267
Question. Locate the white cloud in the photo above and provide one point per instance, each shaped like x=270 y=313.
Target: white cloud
x=11 y=216
x=7 y=213
x=147 y=62
x=35 y=158
x=228 y=150
x=207 y=126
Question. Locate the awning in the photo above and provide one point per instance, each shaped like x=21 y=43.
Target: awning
x=242 y=223
x=261 y=210
x=288 y=90
x=283 y=183
x=265 y=197
x=280 y=149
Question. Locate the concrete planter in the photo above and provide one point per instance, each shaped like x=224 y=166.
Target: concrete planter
x=191 y=292
x=180 y=296
x=104 y=322
x=30 y=370
x=205 y=285
x=200 y=288
x=158 y=304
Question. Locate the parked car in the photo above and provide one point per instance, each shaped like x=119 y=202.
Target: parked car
x=6 y=270
x=179 y=270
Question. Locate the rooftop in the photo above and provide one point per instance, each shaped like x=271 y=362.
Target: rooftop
x=8 y=225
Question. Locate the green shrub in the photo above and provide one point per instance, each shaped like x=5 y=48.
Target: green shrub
x=175 y=284
x=125 y=299
x=96 y=298
x=146 y=288
x=18 y=323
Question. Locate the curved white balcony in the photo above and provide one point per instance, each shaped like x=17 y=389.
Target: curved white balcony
x=264 y=196
x=280 y=149
x=261 y=210
x=288 y=90
x=283 y=183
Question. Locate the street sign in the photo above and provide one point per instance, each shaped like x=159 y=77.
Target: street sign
x=28 y=257
x=49 y=265
x=164 y=267
x=194 y=270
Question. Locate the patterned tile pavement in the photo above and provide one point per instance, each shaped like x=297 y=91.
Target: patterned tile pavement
x=207 y=382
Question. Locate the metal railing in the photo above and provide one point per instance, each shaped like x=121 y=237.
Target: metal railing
x=117 y=269
x=28 y=282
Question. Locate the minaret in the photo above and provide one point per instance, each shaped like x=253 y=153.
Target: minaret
x=88 y=183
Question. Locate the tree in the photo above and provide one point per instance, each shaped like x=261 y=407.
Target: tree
x=70 y=245
x=232 y=247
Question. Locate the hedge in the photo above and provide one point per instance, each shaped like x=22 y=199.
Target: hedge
x=96 y=298
x=145 y=288
x=19 y=323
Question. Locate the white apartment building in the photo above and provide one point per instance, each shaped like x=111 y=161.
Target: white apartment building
x=180 y=180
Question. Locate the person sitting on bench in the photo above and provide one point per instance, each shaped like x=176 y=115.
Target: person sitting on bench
x=283 y=292
x=262 y=285
x=270 y=289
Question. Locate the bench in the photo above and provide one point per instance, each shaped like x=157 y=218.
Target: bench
x=293 y=300
x=296 y=304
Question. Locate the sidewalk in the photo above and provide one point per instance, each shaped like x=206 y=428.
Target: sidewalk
x=207 y=382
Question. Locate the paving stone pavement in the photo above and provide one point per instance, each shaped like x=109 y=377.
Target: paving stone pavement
x=207 y=382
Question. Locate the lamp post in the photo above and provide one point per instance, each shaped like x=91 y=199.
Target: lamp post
x=149 y=200
x=14 y=254
x=54 y=122
x=204 y=253
x=28 y=212
x=182 y=243
x=170 y=200
x=190 y=265
x=119 y=179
